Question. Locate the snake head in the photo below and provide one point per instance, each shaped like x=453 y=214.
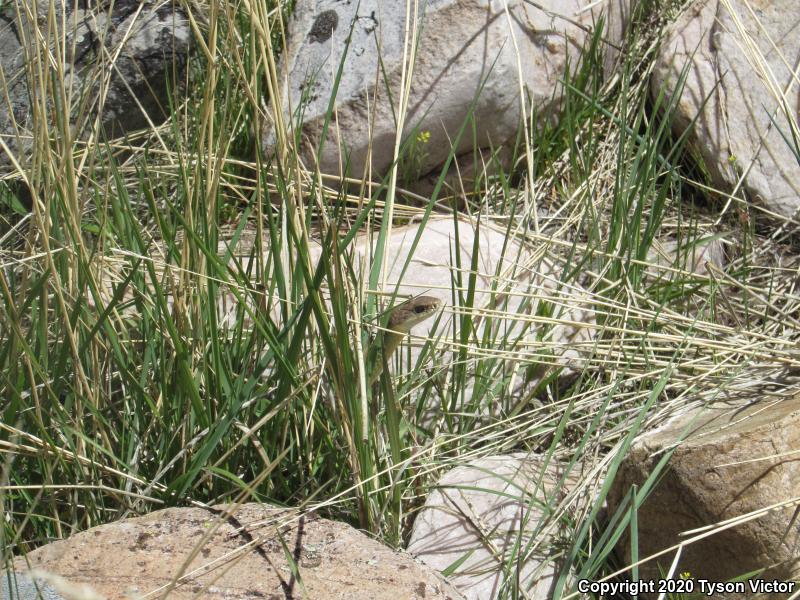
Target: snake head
x=411 y=312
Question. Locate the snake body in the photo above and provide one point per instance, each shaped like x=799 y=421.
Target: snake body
x=403 y=317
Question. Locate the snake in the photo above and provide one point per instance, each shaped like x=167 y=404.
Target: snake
x=403 y=317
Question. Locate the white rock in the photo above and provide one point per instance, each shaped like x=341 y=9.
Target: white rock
x=488 y=510
x=729 y=97
x=523 y=284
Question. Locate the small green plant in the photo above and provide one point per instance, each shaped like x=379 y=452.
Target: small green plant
x=414 y=156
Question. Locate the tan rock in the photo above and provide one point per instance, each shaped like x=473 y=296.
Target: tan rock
x=194 y=553
x=486 y=514
x=733 y=99
x=735 y=461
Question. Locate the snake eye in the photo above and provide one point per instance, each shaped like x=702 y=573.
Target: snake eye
x=419 y=309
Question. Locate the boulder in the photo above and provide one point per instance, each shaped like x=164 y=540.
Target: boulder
x=734 y=461
x=488 y=514
x=733 y=100
x=231 y=552
x=148 y=39
x=467 y=51
x=523 y=285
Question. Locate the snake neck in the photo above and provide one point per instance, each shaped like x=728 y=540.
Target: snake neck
x=391 y=340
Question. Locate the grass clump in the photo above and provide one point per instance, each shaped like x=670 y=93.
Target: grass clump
x=185 y=320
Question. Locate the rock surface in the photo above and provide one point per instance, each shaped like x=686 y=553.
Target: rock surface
x=735 y=461
x=192 y=552
x=481 y=512
x=524 y=286
x=687 y=256
x=462 y=45
x=19 y=586
x=148 y=38
x=730 y=97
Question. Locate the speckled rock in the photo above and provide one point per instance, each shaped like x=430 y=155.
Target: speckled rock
x=193 y=552
x=148 y=38
x=20 y=586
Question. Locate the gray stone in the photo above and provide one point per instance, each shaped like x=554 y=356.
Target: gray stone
x=730 y=98
x=148 y=39
x=462 y=45
x=19 y=586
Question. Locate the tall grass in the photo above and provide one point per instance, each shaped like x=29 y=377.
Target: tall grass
x=184 y=320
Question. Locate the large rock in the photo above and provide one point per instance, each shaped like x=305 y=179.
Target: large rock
x=512 y=284
x=193 y=552
x=730 y=97
x=462 y=45
x=148 y=39
x=732 y=463
x=487 y=514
